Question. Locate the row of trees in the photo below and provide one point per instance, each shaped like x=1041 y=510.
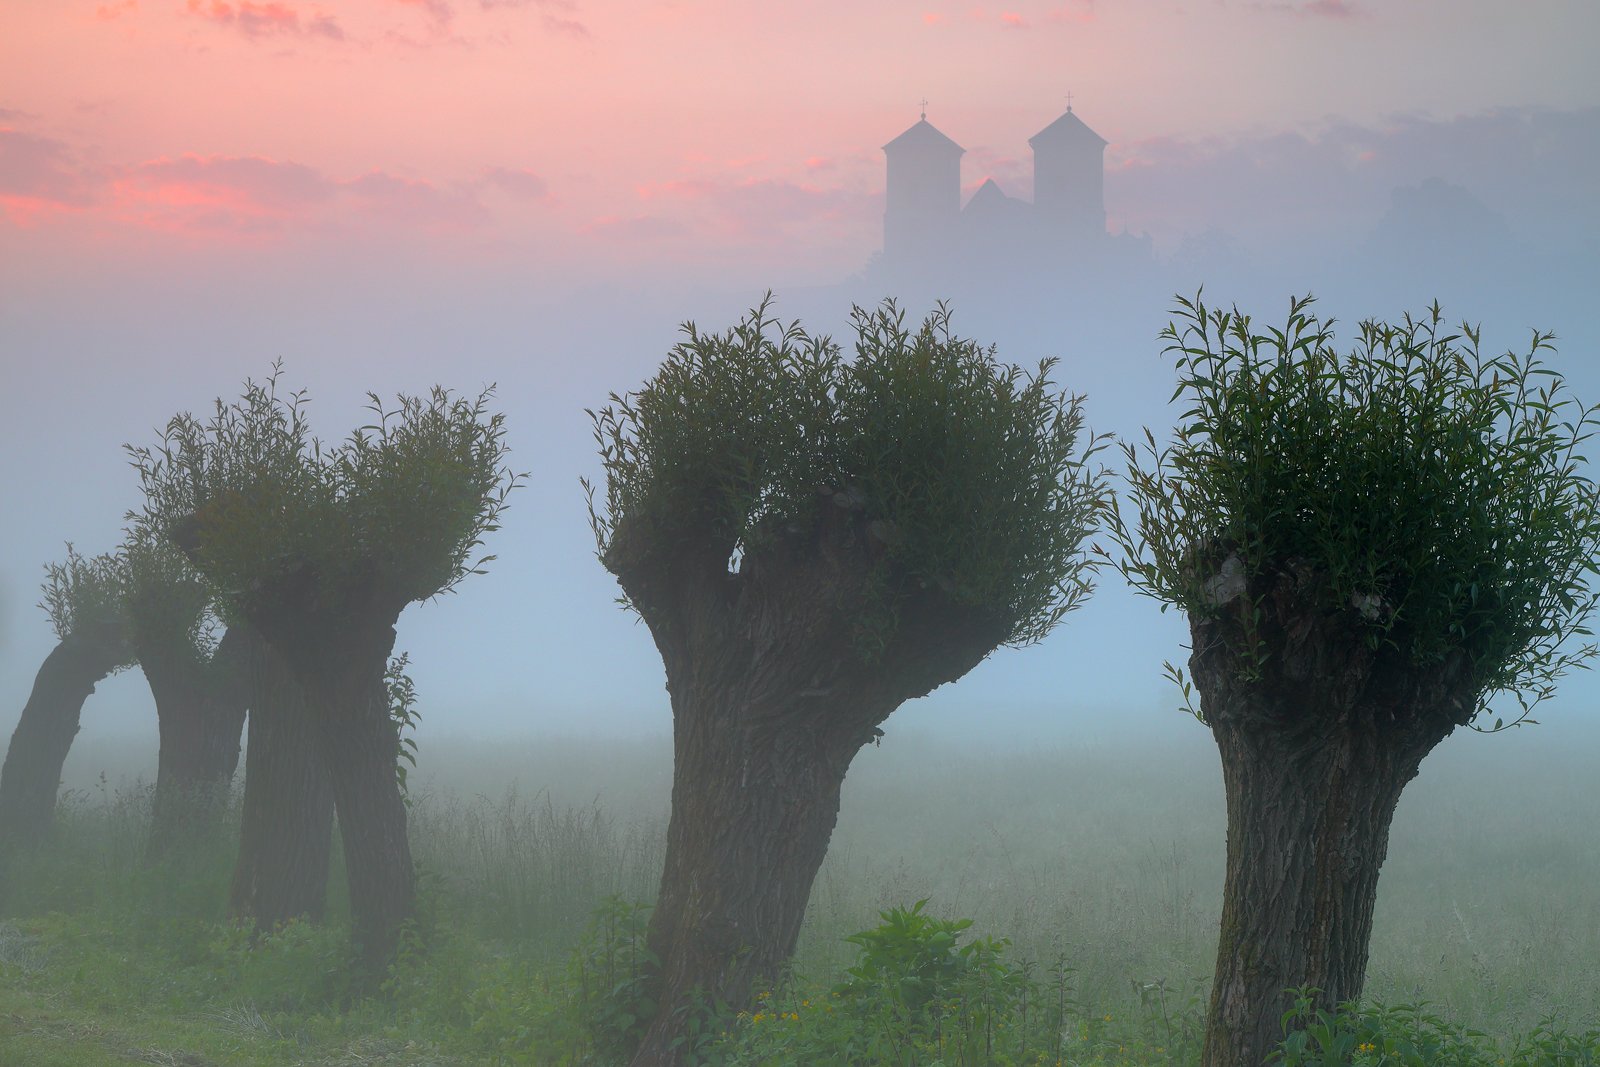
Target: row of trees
x=303 y=556
x=1369 y=548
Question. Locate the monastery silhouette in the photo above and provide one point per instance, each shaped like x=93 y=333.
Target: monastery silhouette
x=929 y=234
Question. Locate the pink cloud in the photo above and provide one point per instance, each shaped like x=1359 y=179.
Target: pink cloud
x=933 y=18
x=570 y=27
x=40 y=176
x=518 y=182
x=272 y=18
x=240 y=193
x=438 y=10
x=410 y=203
x=253 y=194
x=1013 y=20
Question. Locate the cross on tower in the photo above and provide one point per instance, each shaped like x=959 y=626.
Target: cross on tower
x=1069 y=101
x=924 y=109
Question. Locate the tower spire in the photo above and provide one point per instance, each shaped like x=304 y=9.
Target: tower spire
x=924 y=105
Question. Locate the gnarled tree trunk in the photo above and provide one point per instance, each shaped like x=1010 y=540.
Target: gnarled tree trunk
x=338 y=655
x=755 y=797
x=286 y=826
x=1318 y=736
x=31 y=776
x=335 y=637
x=361 y=746
x=200 y=709
x=774 y=690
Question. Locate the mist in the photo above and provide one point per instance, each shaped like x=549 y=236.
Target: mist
x=546 y=196
x=538 y=644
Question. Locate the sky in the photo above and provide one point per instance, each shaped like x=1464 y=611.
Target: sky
x=386 y=194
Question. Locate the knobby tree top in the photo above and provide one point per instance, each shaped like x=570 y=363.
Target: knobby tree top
x=167 y=603
x=1441 y=497
x=398 y=509
x=973 y=479
x=84 y=599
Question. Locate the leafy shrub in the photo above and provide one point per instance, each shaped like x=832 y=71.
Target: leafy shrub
x=916 y=996
x=1408 y=1035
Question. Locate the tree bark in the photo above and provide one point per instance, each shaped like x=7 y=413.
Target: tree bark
x=286 y=826
x=200 y=710
x=1319 y=730
x=755 y=798
x=1308 y=829
x=31 y=776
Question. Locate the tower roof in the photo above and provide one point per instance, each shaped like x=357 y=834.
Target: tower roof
x=1068 y=130
x=924 y=138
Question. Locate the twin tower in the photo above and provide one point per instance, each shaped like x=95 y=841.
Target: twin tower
x=924 y=222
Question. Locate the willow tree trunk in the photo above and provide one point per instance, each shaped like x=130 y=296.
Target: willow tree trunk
x=1319 y=732
x=340 y=660
x=335 y=633
x=755 y=797
x=31 y=776
x=361 y=746
x=772 y=696
x=1309 y=813
x=286 y=825
x=200 y=709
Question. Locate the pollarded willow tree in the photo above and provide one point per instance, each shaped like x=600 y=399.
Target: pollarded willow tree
x=286 y=818
x=1370 y=549
x=84 y=599
x=812 y=542
x=319 y=549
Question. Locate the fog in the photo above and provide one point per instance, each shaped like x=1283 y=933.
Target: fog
x=538 y=644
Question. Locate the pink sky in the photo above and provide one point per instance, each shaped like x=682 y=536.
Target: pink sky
x=390 y=194
x=585 y=134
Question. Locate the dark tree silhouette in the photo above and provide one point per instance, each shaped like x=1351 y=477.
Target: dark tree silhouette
x=812 y=543
x=319 y=549
x=286 y=825
x=83 y=598
x=196 y=682
x=1369 y=549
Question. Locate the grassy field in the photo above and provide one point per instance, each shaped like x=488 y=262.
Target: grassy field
x=1103 y=856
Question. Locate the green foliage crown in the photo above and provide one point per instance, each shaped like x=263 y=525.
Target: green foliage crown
x=1442 y=497
x=974 y=476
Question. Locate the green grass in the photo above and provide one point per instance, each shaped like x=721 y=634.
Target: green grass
x=1103 y=858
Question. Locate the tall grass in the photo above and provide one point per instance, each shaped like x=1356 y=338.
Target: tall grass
x=1107 y=854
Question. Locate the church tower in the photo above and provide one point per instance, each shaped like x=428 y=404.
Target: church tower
x=1069 y=179
x=923 y=197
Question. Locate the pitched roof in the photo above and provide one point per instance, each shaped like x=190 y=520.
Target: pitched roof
x=989 y=192
x=923 y=137
x=1066 y=130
